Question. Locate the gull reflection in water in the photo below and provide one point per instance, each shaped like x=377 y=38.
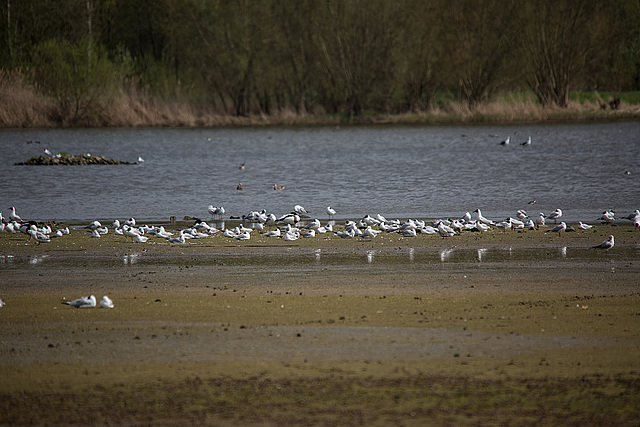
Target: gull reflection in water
x=130 y=258
x=370 y=255
x=317 y=253
x=481 y=253
x=411 y=250
x=445 y=254
x=563 y=252
x=36 y=259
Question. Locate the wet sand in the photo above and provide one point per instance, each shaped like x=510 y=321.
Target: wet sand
x=514 y=309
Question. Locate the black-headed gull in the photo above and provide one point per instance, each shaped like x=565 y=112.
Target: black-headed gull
x=331 y=212
x=555 y=215
x=607 y=244
x=106 y=302
x=300 y=210
x=527 y=142
x=583 y=226
x=482 y=218
x=558 y=228
x=13 y=216
x=506 y=141
x=607 y=216
x=93 y=225
x=82 y=302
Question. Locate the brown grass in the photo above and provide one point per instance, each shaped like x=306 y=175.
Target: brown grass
x=22 y=105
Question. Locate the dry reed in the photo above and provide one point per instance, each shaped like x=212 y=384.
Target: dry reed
x=22 y=105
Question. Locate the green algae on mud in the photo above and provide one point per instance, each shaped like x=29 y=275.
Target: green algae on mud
x=538 y=333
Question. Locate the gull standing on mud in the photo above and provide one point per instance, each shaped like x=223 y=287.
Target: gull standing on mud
x=555 y=215
x=558 y=228
x=607 y=244
x=106 y=302
x=82 y=302
x=483 y=219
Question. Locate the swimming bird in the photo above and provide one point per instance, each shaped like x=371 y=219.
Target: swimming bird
x=240 y=187
x=82 y=302
x=140 y=159
x=607 y=244
x=558 y=228
x=278 y=187
x=331 y=212
x=47 y=152
x=106 y=302
x=583 y=226
x=555 y=215
x=527 y=142
x=506 y=141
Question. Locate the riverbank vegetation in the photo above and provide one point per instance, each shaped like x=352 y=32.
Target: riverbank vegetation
x=189 y=63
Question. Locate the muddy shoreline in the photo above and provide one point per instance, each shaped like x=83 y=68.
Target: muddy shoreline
x=508 y=308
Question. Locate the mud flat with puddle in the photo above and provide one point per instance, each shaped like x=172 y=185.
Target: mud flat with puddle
x=499 y=328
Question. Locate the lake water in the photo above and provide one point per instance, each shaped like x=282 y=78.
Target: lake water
x=399 y=172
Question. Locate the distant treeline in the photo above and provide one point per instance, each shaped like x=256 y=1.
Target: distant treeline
x=336 y=57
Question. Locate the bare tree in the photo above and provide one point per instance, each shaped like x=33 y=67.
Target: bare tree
x=555 y=41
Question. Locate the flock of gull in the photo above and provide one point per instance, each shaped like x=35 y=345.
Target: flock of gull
x=299 y=224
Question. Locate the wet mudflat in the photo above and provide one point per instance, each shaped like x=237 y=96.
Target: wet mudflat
x=512 y=328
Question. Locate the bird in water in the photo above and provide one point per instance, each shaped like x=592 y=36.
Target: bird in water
x=331 y=212
x=506 y=141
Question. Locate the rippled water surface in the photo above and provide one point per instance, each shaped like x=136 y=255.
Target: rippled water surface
x=400 y=172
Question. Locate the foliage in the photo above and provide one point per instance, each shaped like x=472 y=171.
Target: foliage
x=74 y=74
x=346 y=58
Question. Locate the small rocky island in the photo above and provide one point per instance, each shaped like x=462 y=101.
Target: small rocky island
x=69 y=159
